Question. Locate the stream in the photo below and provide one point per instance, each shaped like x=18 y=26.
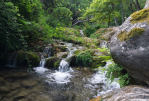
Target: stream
x=64 y=84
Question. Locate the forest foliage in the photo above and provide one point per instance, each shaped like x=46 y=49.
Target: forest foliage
x=24 y=23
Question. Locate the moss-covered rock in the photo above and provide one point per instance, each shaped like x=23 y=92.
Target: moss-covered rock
x=92 y=61
x=140 y=16
x=58 y=48
x=129 y=45
x=97 y=61
x=62 y=54
x=124 y=36
x=52 y=62
x=27 y=59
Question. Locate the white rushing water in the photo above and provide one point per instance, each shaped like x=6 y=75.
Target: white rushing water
x=64 y=71
x=41 y=69
x=62 y=75
x=103 y=44
x=70 y=81
x=81 y=32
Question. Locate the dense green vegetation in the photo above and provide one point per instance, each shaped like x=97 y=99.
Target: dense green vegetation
x=114 y=70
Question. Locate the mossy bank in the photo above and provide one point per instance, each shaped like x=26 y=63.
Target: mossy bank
x=135 y=32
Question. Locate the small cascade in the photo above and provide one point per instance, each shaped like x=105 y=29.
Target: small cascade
x=12 y=60
x=81 y=32
x=74 y=83
x=100 y=78
x=64 y=65
x=45 y=55
x=103 y=44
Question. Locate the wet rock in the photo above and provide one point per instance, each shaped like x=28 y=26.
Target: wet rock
x=7 y=99
x=15 y=85
x=96 y=99
x=22 y=93
x=28 y=83
x=12 y=93
x=129 y=93
x=37 y=88
x=37 y=97
x=18 y=75
x=4 y=89
x=2 y=80
x=58 y=48
x=24 y=100
x=62 y=54
x=23 y=58
x=129 y=45
x=52 y=62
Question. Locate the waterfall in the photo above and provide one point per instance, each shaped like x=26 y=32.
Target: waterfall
x=103 y=44
x=64 y=65
x=81 y=32
x=62 y=75
x=12 y=60
x=46 y=51
x=100 y=78
x=83 y=84
x=45 y=55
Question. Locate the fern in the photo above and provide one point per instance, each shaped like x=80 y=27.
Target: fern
x=84 y=57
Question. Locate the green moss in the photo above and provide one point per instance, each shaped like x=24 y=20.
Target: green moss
x=77 y=52
x=52 y=62
x=124 y=36
x=140 y=16
x=97 y=61
x=56 y=64
x=27 y=59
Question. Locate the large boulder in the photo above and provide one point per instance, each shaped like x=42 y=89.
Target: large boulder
x=130 y=45
x=129 y=93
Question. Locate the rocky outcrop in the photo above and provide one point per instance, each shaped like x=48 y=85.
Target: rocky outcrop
x=129 y=93
x=53 y=62
x=130 y=45
x=58 y=48
x=23 y=59
x=95 y=62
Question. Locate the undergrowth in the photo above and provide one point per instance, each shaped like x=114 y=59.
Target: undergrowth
x=85 y=57
x=113 y=70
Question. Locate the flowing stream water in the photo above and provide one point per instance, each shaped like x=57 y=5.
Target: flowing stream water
x=63 y=84
x=72 y=84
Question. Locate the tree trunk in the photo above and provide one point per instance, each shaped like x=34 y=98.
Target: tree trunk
x=131 y=8
x=147 y=4
x=138 y=5
x=122 y=10
x=115 y=19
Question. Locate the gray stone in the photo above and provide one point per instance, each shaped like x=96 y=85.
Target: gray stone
x=28 y=83
x=129 y=93
x=133 y=53
x=4 y=89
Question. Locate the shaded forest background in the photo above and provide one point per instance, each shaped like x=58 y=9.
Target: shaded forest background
x=25 y=23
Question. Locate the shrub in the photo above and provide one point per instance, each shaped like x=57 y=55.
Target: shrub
x=84 y=57
x=117 y=71
x=89 y=31
x=96 y=35
x=114 y=70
